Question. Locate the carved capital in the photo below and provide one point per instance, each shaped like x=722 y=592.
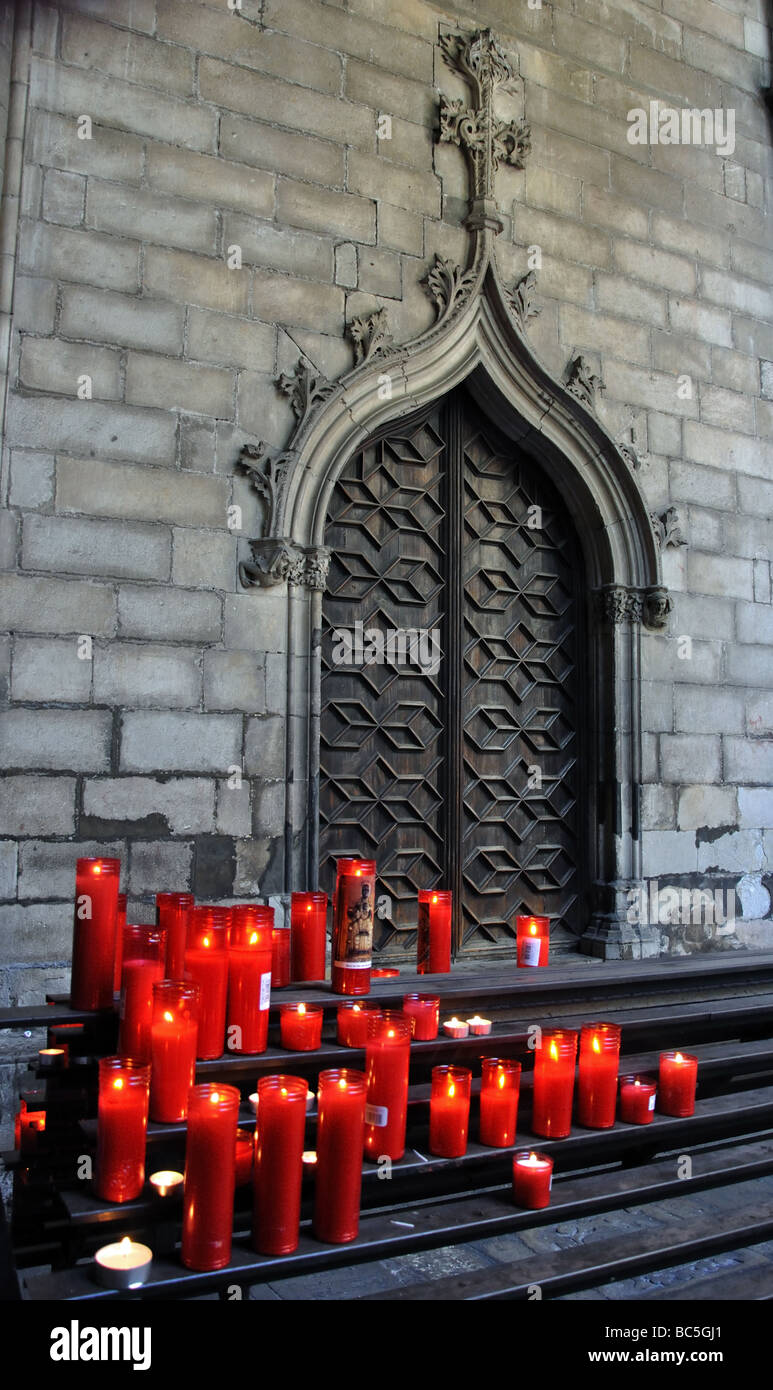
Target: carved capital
x=616 y=603
x=316 y=568
x=280 y=561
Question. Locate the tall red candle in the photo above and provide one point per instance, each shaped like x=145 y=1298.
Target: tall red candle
x=95 y=923
x=637 y=1099
x=278 y=1171
x=280 y=956
x=353 y=909
x=677 y=1082
x=338 y=1173
x=206 y=963
x=532 y=940
x=249 y=978
x=352 y=1023
x=172 y=915
x=449 y=1111
x=144 y=949
x=300 y=1026
x=434 y=940
x=308 y=923
x=532 y=1180
x=424 y=1012
x=387 y=1064
x=121 y=923
x=597 y=1079
x=122 y=1123
x=245 y=1156
x=499 y=1094
x=173 y=1034
x=210 y=1176
x=554 y=1062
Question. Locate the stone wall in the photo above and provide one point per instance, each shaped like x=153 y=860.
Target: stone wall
x=209 y=191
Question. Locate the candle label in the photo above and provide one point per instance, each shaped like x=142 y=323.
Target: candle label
x=530 y=949
x=377 y=1115
x=353 y=929
x=265 y=991
x=651 y=1102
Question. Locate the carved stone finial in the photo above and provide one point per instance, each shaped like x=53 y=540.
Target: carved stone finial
x=668 y=528
x=487 y=140
x=657 y=607
x=582 y=383
x=449 y=286
x=371 y=335
x=521 y=298
x=305 y=387
x=268 y=470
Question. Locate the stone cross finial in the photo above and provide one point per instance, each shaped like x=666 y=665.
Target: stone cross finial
x=487 y=140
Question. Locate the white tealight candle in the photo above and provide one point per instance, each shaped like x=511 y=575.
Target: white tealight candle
x=309 y=1158
x=166 y=1180
x=124 y=1265
x=455 y=1028
x=479 y=1026
x=254 y=1101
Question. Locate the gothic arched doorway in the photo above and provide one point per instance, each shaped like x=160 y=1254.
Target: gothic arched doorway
x=471 y=771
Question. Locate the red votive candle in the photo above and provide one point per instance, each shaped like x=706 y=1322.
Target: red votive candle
x=308 y=931
x=173 y=1034
x=210 y=1176
x=338 y=1173
x=384 y=972
x=280 y=956
x=424 y=1012
x=449 y=1111
x=206 y=963
x=387 y=1063
x=554 y=1062
x=676 y=1083
x=95 y=923
x=533 y=940
x=144 y=951
x=532 y=1180
x=121 y=923
x=637 y=1099
x=249 y=977
x=352 y=1024
x=122 y=1124
x=172 y=916
x=245 y=1152
x=499 y=1094
x=300 y=1026
x=597 y=1080
x=433 y=947
x=278 y=1171
x=352 y=942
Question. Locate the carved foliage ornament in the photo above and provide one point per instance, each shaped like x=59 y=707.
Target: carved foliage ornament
x=487 y=140
x=618 y=604
x=521 y=298
x=370 y=334
x=449 y=286
x=668 y=528
x=582 y=383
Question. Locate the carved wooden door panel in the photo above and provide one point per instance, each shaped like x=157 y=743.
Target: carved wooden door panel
x=464 y=772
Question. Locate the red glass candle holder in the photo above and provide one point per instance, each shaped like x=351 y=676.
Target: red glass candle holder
x=308 y=935
x=532 y=940
x=144 y=952
x=449 y=1111
x=384 y=972
x=352 y=1023
x=124 y=1088
x=532 y=1180
x=172 y=916
x=121 y=923
x=245 y=1154
x=554 y=1062
x=300 y=1026
x=597 y=1079
x=353 y=909
x=433 y=947
x=95 y=923
x=677 y=1081
x=210 y=1176
x=280 y=957
x=340 y=1136
x=249 y=976
x=637 y=1099
x=173 y=1034
x=424 y=1011
x=499 y=1094
x=206 y=963
x=387 y=1063
x=278 y=1171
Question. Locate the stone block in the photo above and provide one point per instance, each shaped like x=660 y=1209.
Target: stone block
x=234 y=812
x=383 y=41
x=278 y=248
x=719 y=574
x=282 y=151
x=178 y=742
x=701 y=243
x=711 y=487
x=253 y=94
x=282 y=299
x=707 y=808
x=702 y=617
x=110 y=154
x=155 y=866
x=56 y=739
x=76 y=546
x=749 y=761
x=685 y=757
x=153 y=325
x=48 y=364
x=32 y=479
x=64 y=197
x=657 y=807
x=132 y=493
x=256 y=622
x=34 y=304
x=189 y=279
x=35 y=932
x=127 y=55
x=251 y=46
x=160 y=381
x=69 y=253
x=668 y=852
x=47 y=869
x=265 y=748
x=159 y=677
x=322 y=210
x=147 y=805
x=589 y=329
x=178 y=615
x=234 y=681
x=50 y=669
x=690 y=317
x=728 y=409
x=7 y=870
x=400 y=230
x=755 y=807
x=380 y=273
x=32 y=805
x=204 y=559
x=80 y=427
x=233 y=341
x=54 y=605
x=618 y=294
x=701 y=710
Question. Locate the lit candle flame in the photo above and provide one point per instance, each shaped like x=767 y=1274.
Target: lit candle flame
x=533 y=1160
x=342 y=1084
x=637 y=1082
x=678 y=1057
x=358 y=873
x=284 y=1091
x=533 y=928
x=554 y=1051
x=301 y=1008
x=253 y=938
x=501 y=1081
x=168 y=1018
x=434 y=897
x=125 y=1245
x=451 y=1090
x=215 y=1097
x=118 y=1083
x=357 y=1009
x=596 y=1045
x=205 y=942
x=97 y=868
x=308 y=907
